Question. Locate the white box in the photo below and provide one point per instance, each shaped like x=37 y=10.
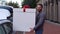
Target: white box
x=23 y=21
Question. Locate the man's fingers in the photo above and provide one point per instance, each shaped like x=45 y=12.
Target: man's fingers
x=31 y=28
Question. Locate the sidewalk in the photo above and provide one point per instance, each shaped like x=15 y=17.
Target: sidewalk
x=49 y=28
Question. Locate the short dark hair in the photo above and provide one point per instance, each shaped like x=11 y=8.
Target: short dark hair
x=40 y=5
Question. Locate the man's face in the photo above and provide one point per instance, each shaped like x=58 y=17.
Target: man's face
x=39 y=8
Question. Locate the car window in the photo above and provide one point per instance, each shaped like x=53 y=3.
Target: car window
x=1 y=30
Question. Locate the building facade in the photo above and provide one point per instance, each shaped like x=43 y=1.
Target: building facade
x=52 y=9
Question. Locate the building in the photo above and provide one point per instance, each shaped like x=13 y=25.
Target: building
x=51 y=7
x=2 y=2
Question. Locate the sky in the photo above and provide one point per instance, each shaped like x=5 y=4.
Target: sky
x=18 y=1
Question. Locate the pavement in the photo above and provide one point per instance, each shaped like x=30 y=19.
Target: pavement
x=49 y=28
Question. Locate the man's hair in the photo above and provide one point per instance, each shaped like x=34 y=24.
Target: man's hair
x=40 y=5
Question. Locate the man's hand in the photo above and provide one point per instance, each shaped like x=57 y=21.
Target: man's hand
x=32 y=30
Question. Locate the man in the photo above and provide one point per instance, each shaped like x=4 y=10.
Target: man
x=40 y=18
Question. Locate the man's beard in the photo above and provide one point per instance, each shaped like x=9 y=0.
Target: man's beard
x=40 y=10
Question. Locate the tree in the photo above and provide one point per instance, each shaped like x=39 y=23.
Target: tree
x=15 y=5
x=32 y=3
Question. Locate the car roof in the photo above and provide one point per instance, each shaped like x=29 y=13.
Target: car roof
x=10 y=8
x=4 y=14
x=6 y=6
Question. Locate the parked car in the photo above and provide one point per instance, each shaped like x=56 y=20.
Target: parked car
x=6 y=19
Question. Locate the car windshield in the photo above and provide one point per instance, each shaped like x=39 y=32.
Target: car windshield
x=4 y=14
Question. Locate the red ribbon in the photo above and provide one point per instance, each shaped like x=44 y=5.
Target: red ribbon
x=24 y=7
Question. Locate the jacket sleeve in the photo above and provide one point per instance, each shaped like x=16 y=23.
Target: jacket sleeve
x=42 y=17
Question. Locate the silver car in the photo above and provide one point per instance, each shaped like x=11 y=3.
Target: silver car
x=6 y=19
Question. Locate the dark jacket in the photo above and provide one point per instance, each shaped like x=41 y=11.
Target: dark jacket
x=40 y=19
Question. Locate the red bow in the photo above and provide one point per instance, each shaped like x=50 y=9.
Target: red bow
x=25 y=6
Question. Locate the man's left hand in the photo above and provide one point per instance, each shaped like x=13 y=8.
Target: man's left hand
x=32 y=30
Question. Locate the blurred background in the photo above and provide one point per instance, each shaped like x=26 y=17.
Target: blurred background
x=51 y=7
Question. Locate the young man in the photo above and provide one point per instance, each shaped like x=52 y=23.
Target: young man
x=40 y=18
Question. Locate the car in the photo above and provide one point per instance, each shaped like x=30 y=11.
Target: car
x=6 y=19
